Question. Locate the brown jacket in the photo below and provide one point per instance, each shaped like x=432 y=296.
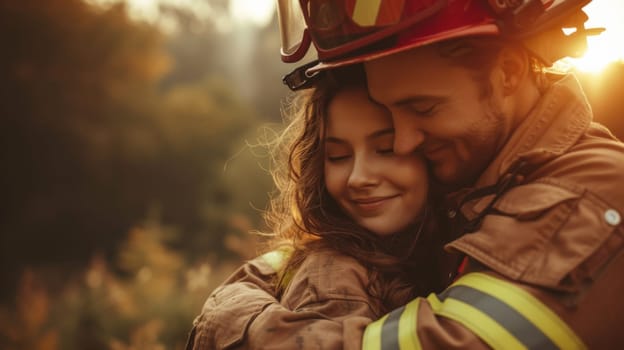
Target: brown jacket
x=551 y=247
x=326 y=296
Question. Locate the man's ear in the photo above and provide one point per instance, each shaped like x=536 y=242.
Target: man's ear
x=514 y=65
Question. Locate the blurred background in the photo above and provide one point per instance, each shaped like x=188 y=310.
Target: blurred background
x=131 y=172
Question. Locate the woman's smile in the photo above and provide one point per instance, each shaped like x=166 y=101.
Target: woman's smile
x=372 y=205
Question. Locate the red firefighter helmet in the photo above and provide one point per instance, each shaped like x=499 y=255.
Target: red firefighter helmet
x=351 y=31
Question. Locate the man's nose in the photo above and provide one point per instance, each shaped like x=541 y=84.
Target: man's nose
x=407 y=137
x=362 y=174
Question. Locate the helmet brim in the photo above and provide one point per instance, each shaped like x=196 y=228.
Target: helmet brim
x=486 y=28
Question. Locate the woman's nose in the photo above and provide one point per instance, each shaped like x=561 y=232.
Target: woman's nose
x=362 y=174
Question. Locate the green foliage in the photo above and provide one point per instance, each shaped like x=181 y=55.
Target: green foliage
x=151 y=307
x=94 y=143
x=98 y=134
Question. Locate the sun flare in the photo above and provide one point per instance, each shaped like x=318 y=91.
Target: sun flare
x=598 y=56
x=604 y=48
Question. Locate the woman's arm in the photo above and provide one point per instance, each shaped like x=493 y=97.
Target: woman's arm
x=325 y=304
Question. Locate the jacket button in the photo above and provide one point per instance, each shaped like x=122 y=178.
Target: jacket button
x=612 y=217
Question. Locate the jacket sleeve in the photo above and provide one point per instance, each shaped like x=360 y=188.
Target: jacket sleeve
x=234 y=304
x=242 y=316
x=325 y=306
x=478 y=311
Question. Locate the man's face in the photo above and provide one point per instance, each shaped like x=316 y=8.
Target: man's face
x=438 y=109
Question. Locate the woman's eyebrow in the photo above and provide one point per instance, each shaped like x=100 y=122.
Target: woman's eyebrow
x=375 y=134
x=332 y=139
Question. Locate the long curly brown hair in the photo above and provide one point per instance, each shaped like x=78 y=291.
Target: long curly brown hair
x=304 y=216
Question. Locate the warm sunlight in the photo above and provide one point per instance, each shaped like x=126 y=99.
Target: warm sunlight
x=254 y=12
x=258 y=12
x=602 y=50
x=605 y=48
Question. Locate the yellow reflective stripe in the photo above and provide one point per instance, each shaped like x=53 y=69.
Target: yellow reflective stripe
x=528 y=306
x=274 y=258
x=479 y=323
x=394 y=330
x=372 y=335
x=503 y=315
x=365 y=12
x=277 y=258
x=408 y=338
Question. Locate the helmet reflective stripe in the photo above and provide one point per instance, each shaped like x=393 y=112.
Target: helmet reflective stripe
x=368 y=13
x=365 y=12
x=503 y=315
x=396 y=330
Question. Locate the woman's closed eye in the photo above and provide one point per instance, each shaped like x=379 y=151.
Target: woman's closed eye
x=384 y=144
x=386 y=151
x=338 y=157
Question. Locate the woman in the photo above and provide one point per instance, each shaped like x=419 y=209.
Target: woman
x=353 y=226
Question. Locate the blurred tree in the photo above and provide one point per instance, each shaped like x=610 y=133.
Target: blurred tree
x=90 y=141
x=245 y=55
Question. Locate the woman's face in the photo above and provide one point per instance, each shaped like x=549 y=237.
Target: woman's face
x=383 y=192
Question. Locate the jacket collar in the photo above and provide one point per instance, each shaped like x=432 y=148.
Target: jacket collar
x=554 y=125
x=560 y=117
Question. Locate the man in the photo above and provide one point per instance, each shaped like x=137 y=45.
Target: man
x=533 y=183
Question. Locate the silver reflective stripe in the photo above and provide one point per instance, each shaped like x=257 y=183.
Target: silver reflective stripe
x=390 y=330
x=503 y=315
x=396 y=330
x=508 y=318
x=499 y=312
